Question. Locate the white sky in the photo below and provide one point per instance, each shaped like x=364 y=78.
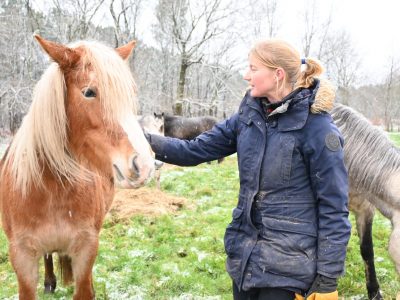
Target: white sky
x=374 y=27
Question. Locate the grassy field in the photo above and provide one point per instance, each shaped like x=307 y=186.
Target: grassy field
x=395 y=136
x=181 y=256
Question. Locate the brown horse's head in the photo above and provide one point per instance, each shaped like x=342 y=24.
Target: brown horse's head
x=100 y=105
x=81 y=122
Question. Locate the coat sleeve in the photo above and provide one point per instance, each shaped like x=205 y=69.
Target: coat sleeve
x=330 y=185
x=216 y=143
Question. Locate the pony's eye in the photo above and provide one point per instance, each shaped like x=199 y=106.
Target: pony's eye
x=89 y=93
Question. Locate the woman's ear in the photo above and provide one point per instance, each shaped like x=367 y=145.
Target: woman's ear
x=280 y=74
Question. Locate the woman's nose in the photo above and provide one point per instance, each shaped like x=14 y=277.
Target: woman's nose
x=247 y=76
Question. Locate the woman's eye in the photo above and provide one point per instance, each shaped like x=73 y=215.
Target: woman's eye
x=89 y=93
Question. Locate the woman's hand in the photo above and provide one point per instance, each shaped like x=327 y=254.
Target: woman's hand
x=323 y=288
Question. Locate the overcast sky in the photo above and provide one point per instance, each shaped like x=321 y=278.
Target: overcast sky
x=374 y=27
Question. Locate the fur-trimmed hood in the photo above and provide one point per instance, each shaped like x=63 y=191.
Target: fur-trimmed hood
x=324 y=97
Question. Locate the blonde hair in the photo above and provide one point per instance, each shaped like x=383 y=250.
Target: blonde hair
x=274 y=54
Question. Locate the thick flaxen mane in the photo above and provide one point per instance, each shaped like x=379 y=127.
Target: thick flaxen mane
x=42 y=138
x=368 y=171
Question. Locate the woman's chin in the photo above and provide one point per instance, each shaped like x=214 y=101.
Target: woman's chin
x=255 y=94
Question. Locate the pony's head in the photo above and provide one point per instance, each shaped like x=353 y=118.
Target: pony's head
x=100 y=106
x=160 y=122
x=81 y=122
x=153 y=125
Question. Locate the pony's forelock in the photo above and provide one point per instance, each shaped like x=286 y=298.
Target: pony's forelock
x=117 y=88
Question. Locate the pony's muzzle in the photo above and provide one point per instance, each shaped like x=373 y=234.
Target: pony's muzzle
x=132 y=172
x=118 y=174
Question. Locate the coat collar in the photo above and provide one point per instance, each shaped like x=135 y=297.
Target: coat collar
x=293 y=113
x=254 y=102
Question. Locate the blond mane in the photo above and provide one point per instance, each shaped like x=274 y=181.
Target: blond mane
x=42 y=140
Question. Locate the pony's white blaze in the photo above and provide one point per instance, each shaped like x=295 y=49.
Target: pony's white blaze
x=137 y=169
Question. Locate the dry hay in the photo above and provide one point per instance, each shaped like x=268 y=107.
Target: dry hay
x=143 y=201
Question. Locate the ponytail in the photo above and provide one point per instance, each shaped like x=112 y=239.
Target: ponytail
x=306 y=78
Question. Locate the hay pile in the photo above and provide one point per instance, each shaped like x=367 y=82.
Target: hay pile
x=143 y=201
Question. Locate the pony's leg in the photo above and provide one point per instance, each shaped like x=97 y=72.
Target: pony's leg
x=364 y=212
x=157 y=178
x=394 y=242
x=50 y=280
x=25 y=261
x=84 y=256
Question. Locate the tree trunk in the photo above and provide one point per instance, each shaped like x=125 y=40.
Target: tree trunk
x=178 y=107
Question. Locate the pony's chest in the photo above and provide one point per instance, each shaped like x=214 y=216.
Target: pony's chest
x=56 y=237
x=65 y=222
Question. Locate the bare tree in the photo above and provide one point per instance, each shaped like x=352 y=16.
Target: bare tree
x=342 y=63
x=191 y=25
x=19 y=62
x=264 y=18
x=125 y=15
x=390 y=102
x=316 y=31
x=75 y=18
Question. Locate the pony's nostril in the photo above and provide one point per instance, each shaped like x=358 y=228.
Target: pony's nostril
x=118 y=172
x=135 y=166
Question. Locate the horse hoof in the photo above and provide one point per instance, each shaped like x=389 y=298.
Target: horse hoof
x=378 y=296
x=49 y=289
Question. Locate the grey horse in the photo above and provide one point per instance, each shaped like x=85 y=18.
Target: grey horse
x=373 y=162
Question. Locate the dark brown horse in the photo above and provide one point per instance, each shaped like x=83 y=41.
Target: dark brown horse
x=78 y=140
x=186 y=128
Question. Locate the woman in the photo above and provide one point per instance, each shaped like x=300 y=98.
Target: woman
x=290 y=229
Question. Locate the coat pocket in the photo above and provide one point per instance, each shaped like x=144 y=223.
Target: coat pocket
x=288 y=248
x=232 y=232
x=277 y=164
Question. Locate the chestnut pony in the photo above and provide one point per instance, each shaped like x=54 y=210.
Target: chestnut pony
x=78 y=140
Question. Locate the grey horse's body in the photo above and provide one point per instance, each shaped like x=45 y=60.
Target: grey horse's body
x=373 y=162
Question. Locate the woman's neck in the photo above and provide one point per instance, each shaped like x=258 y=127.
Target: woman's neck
x=278 y=96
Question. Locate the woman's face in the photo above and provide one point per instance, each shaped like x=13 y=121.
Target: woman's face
x=263 y=80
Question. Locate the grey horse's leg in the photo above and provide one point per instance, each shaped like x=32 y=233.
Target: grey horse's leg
x=364 y=212
x=50 y=281
x=394 y=242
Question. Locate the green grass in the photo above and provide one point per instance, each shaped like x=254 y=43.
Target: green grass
x=181 y=256
x=395 y=137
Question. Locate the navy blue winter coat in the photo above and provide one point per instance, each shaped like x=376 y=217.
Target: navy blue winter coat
x=293 y=161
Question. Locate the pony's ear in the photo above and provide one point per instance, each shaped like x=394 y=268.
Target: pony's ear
x=126 y=50
x=64 y=56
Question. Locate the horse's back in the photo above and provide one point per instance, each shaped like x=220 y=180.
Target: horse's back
x=187 y=128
